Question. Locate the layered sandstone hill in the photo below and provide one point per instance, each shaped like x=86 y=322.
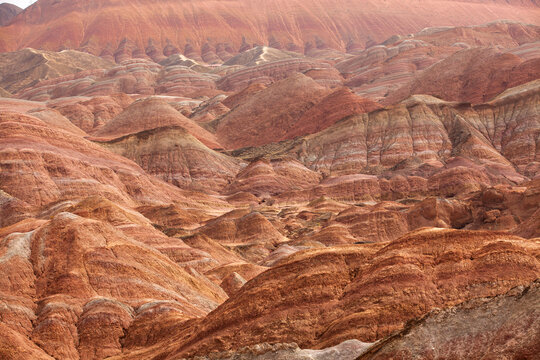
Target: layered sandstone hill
x=27 y=67
x=148 y=114
x=474 y=75
x=75 y=275
x=254 y=123
x=215 y=29
x=394 y=70
x=136 y=76
x=498 y=321
x=320 y=298
x=8 y=12
x=42 y=164
x=281 y=189
x=260 y=55
x=174 y=155
x=457 y=147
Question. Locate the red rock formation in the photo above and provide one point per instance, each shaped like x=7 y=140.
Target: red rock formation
x=27 y=67
x=365 y=292
x=255 y=123
x=504 y=33
x=326 y=23
x=182 y=81
x=151 y=113
x=41 y=165
x=378 y=71
x=92 y=113
x=249 y=234
x=260 y=55
x=440 y=132
x=265 y=178
x=242 y=95
x=173 y=155
x=473 y=75
x=138 y=76
x=78 y=291
x=328 y=218
x=338 y=105
x=267 y=73
x=8 y=12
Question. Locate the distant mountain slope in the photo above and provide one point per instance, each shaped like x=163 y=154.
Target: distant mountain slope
x=219 y=28
x=8 y=12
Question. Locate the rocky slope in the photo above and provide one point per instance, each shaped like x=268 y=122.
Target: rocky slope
x=8 y=12
x=507 y=324
x=291 y=192
x=174 y=155
x=208 y=27
x=322 y=297
x=27 y=67
x=254 y=123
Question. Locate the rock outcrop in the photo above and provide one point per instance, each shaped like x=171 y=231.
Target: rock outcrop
x=237 y=186
x=507 y=324
x=322 y=297
x=151 y=113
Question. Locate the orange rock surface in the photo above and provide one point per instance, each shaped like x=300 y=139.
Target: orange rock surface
x=268 y=180
x=322 y=297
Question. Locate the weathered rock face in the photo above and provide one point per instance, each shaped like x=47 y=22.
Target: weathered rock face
x=4 y=93
x=8 y=12
x=380 y=70
x=365 y=291
x=339 y=105
x=266 y=178
x=430 y=138
x=249 y=234
x=135 y=76
x=507 y=34
x=135 y=221
x=347 y=350
x=260 y=55
x=89 y=114
x=88 y=276
x=331 y=24
x=507 y=324
x=268 y=73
